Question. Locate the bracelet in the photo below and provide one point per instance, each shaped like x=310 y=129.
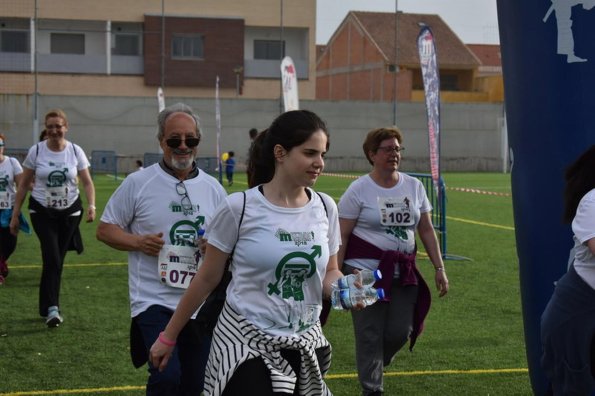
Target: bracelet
x=92 y=207
x=165 y=341
x=439 y=269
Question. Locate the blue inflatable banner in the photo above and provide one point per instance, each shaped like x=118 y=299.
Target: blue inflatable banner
x=548 y=59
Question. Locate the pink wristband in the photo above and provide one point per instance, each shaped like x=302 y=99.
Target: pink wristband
x=165 y=341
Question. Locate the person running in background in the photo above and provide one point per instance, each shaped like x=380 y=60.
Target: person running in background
x=380 y=214
x=55 y=206
x=10 y=175
x=230 y=164
x=158 y=215
x=268 y=338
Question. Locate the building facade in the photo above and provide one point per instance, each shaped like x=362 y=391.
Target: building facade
x=129 y=48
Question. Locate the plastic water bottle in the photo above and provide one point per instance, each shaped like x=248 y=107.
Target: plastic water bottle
x=366 y=278
x=349 y=298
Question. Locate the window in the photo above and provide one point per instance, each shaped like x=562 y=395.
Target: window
x=14 y=41
x=268 y=49
x=449 y=82
x=126 y=44
x=189 y=47
x=67 y=43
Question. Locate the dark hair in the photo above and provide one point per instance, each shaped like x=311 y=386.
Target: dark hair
x=139 y=162
x=580 y=179
x=43 y=135
x=288 y=130
x=377 y=136
x=253 y=132
x=231 y=153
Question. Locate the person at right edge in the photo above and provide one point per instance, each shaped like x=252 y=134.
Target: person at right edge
x=379 y=214
x=568 y=321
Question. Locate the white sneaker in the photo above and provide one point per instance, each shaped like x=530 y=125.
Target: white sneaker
x=53 y=319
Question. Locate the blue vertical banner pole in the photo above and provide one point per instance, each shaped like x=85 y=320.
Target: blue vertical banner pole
x=548 y=59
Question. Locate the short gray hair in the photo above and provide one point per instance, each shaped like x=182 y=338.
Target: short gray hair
x=175 y=108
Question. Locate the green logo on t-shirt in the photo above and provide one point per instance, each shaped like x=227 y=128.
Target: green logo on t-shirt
x=292 y=271
x=57 y=178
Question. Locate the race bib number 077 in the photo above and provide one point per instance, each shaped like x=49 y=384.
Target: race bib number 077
x=178 y=265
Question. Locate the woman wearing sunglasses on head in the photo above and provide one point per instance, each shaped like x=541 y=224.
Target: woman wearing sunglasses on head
x=158 y=215
x=379 y=214
x=55 y=206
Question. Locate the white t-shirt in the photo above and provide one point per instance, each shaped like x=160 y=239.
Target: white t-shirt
x=8 y=169
x=367 y=202
x=583 y=226
x=55 y=174
x=279 y=261
x=147 y=202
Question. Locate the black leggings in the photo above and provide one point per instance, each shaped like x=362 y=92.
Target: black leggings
x=55 y=235
x=253 y=376
x=8 y=243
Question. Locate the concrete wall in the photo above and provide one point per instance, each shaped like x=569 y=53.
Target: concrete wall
x=471 y=137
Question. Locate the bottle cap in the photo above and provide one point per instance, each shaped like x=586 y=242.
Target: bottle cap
x=380 y=293
x=377 y=274
x=200 y=232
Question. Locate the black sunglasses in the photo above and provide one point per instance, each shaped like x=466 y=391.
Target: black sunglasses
x=176 y=142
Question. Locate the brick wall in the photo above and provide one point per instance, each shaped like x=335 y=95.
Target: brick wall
x=223 y=51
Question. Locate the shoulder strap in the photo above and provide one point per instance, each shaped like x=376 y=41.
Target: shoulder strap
x=238 y=237
x=323 y=203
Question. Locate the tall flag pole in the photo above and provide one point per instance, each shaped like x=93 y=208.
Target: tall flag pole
x=218 y=122
x=431 y=79
x=289 y=82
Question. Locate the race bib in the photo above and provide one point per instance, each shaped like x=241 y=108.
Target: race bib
x=4 y=200
x=56 y=197
x=178 y=265
x=395 y=211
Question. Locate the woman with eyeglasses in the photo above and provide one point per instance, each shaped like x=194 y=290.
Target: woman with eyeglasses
x=159 y=214
x=268 y=339
x=379 y=215
x=55 y=206
x=10 y=175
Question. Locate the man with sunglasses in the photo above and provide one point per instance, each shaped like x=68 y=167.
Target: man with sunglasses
x=158 y=215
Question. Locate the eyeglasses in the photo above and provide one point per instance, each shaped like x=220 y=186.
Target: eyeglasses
x=55 y=126
x=390 y=149
x=175 y=142
x=186 y=203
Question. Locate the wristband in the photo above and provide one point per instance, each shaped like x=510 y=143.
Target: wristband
x=165 y=341
x=92 y=207
x=439 y=269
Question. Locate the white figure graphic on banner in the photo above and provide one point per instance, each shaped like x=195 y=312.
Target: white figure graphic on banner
x=563 y=9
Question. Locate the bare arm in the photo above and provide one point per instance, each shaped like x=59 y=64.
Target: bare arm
x=591 y=245
x=346 y=226
x=115 y=237
x=23 y=182
x=332 y=274
x=207 y=278
x=89 y=192
x=428 y=238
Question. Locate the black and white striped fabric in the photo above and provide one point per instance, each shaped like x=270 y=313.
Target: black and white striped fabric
x=235 y=340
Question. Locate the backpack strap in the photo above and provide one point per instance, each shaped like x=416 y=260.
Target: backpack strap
x=238 y=237
x=323 y=203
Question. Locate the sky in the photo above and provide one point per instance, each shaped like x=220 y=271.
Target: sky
x=474 y=21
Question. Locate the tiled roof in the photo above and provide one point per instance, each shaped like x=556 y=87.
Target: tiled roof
x=380 y=26
x=488 y=54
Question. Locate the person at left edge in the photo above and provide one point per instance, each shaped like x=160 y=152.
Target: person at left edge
x=10 y=175
x=158 y=213
x=55 y=206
